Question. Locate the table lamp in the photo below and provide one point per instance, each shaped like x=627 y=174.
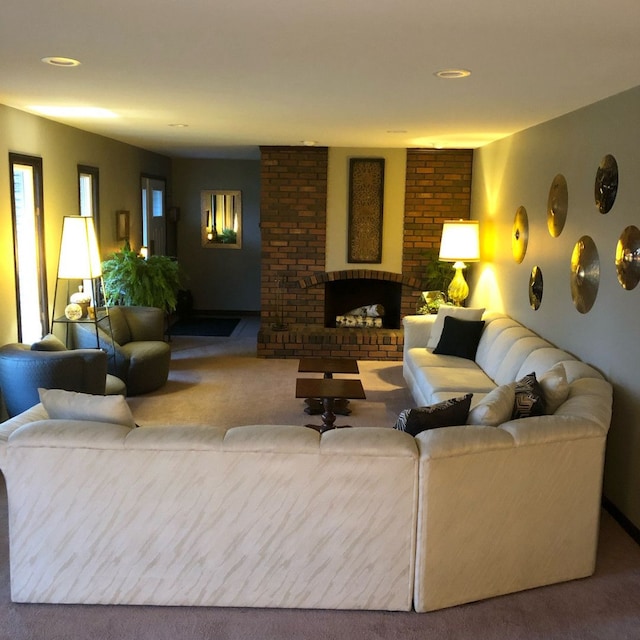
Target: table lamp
x=460 y=243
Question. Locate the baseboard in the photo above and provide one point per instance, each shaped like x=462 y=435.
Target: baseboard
x=621 y=519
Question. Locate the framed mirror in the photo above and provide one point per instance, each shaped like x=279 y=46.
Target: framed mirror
x=221 y=219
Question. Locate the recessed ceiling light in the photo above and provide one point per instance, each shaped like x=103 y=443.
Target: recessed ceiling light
x=72 y=112
x=453 y=74
x=179 y=125
x=309 y=143
x=60 y=61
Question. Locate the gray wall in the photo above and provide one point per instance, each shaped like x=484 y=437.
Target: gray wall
x=220 y=279
x=519 y=171
x=62 y=148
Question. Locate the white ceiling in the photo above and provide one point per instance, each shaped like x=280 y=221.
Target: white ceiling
x=348 y=73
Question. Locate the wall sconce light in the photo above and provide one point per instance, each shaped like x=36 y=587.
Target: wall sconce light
x=460 y=243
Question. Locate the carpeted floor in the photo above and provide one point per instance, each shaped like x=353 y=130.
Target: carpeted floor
x=220 y=380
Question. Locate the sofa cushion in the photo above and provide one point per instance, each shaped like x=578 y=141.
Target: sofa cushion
x=554 y=387
x=71 y=405
x=49 y=343
x=459 y=338
x=529 y=398
x=444 y=414
x=495 y=408
x=462 y=313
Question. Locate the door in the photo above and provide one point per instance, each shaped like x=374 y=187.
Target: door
x=153 y=215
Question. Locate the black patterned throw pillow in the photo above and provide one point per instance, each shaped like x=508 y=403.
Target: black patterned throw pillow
x=529 y=398
x=444 y=414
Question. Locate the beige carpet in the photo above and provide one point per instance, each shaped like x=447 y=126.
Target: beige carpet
x=220 y=381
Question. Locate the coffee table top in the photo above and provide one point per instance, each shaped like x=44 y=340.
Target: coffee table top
x=328 y=365
x=329 y=388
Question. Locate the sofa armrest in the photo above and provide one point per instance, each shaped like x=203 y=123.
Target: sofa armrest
x=417 y=330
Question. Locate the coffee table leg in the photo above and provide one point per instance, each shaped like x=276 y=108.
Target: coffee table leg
x=328 y=417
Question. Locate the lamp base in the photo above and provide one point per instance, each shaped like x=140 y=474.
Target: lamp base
x=458 y=288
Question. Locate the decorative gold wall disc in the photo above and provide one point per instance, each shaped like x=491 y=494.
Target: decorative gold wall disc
x=557 y=205
x=628 y=258
x=606 y=186
x=520 y=234
x=535 y=288
x=585 y=274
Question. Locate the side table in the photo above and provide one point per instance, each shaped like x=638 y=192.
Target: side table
x=328 y=366
x=329 y=390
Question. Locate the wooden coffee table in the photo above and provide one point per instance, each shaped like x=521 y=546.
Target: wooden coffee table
x=328 y=366
x=329 y=390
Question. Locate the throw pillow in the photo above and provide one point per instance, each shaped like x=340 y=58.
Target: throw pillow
x=463 y=313
x=495 y=408
x=460 y=338
x=444 y=414
x=71 y=405
x=49 y=343
x=555 y=387
x=529 y=398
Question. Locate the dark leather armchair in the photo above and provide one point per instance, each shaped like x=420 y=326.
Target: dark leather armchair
x=138 y=354
x=23 y=371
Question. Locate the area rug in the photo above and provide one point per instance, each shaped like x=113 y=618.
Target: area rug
x=204 y=326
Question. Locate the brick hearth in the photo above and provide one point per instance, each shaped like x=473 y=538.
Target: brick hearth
x=293 y=225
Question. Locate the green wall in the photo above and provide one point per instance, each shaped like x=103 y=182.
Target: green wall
x=518 y=171
x=219 y=278
x=62 y=148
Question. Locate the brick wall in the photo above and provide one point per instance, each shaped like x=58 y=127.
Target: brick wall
x=293 y=224
x=293 y=214
x=438 y=188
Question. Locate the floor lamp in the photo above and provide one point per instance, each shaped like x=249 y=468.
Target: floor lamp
x=79 y=259
x=460 y=243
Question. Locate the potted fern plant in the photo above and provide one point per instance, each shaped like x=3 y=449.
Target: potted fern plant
x=129 y=279
x=437 y=278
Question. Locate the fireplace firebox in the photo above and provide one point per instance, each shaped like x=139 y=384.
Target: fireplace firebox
x=342 y=296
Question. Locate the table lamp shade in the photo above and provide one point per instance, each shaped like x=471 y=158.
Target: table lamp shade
x=79 y=253
x=460 y=241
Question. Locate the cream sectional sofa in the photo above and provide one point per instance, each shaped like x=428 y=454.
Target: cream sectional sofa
x=260 y=516
x=513 y=506
x=281 y=516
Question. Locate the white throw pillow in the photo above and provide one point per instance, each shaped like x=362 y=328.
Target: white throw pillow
x=462 y=313
x=555 y=387
x=71 y=405
x=495 y=408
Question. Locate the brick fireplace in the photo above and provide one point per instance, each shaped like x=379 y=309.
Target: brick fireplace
x=294 y=277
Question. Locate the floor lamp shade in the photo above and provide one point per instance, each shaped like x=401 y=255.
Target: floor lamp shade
x=79 y=254
x=460 y=243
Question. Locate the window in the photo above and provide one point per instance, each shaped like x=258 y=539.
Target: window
x=28 y=245
x=88 y=194
x=88 y=200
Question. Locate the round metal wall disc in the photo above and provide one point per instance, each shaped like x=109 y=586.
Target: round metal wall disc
x=557 y=205
x=520 y=235
x=535 y=288
x=628 y=257
x=585 y=274
x=606 y=186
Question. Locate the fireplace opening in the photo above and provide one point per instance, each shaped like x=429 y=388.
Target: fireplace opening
x=342 y=296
